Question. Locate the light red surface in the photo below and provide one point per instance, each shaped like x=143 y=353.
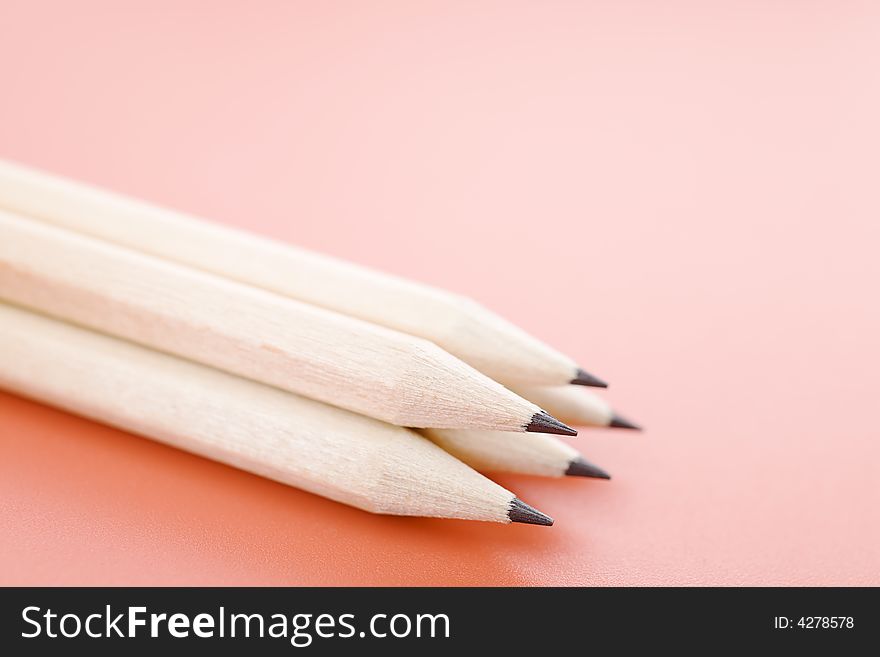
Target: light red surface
x=687 y=191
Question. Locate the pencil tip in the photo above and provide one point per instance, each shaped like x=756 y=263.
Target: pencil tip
x=584 y=378
x=622 y=423
x=519 y=511
x=580 y=467
x=544 y=423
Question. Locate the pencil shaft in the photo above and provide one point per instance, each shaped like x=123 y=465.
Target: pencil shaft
x=250 y=332
x=499 y=451
x=572 y=405
x=299 y=442
x=459 y=325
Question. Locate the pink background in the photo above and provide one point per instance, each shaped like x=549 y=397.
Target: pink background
x=688 y=192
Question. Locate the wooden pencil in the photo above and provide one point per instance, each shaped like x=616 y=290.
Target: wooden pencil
x=322 y=449
x=464 y=328
x=531 y=454
x=323 y=355
x=575 y=407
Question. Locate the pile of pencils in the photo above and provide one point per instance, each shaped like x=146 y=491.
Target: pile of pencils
x=371 y=390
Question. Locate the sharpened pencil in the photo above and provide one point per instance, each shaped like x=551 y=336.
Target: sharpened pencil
x=575 y=407
x=459 y=325
x=299 y=442
x=369 y=369
x=530 y=454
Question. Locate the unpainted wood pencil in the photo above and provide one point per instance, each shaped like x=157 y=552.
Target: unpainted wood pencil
x=530 y=454
x=385 y=374
x=574 y=406
x=299 y=442
x=464 y=328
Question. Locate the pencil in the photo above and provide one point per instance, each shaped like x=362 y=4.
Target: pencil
x=575 y=407
x=462 y=327
x=346 y=457
x=531 y=454
x=253 y=333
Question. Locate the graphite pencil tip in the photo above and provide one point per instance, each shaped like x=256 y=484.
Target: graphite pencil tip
x=622 y=423
x=580 y=467
x=584 y=378
x=545 y=423
x=519 y=511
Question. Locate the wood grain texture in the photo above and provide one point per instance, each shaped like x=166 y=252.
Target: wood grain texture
x=385 y=374
x=325 y=450
x=569 y=404
x=501 y=451
x=461 y=326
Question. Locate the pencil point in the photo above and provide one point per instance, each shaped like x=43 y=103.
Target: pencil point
x=622 y=423
x=544 y=423
x=580 y=467
x=519 y=511
x=584 y=378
